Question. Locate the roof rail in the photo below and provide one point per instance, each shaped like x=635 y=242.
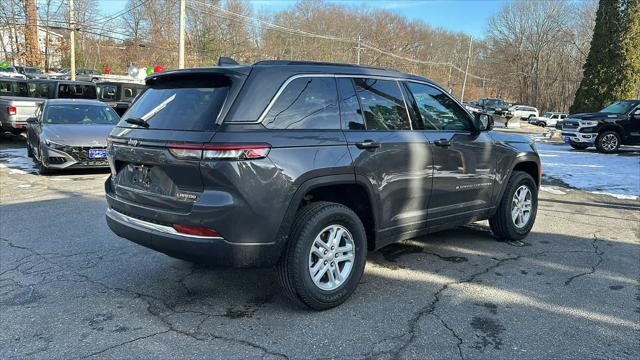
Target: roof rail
x=319 y=63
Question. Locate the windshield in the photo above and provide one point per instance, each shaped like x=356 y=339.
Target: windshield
x=180 y=104
x=77 y=91
x=495 y=102
x=32 y=71
x=547 y=114
x=73 y=114
x=620 y=107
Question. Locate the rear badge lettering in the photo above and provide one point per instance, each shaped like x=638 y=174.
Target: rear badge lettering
x=186 y=196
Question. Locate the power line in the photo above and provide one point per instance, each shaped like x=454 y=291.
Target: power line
x=326 y=37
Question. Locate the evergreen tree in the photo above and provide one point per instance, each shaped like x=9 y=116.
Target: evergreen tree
x=612 y=69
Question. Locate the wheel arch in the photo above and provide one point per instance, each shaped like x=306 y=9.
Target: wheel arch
x=344 y=189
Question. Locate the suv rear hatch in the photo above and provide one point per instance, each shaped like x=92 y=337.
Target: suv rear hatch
x=149 y=148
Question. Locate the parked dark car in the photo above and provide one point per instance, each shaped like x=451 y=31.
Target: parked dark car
x=118 y=95
x=30 y=72
x=62 y=89
x=70 y=134
x=306 y=166
x=497 y=107
x=615 y=125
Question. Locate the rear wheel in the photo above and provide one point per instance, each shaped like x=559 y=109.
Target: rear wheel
x=517 y=209
x=542 y=123
x=325 y=256
x=608 y=142
x=578 y=146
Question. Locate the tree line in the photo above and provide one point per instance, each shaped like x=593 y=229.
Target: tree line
x=533 y=51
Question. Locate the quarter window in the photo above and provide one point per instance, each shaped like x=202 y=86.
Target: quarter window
x=382 y=104
x=437 y=110
x=349 y=106
x=306 y=103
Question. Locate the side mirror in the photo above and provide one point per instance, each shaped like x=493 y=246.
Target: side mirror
x=636 y=114
x=484 y=122
x=32 y=120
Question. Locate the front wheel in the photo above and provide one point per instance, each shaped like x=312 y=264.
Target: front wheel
x=325 y=256
x=608 y=142
x=517 y=209
x=543 y=124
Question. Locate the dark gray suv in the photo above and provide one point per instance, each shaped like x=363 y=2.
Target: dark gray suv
x=305 y=166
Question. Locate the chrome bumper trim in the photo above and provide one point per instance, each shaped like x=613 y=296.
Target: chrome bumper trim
x=151 y=226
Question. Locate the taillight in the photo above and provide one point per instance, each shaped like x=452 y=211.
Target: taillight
x=11 y=110
x=196 y=231
x=220 y=152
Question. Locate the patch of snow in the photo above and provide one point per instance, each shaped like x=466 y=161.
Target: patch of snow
x=552 y=190
x=17 y=160
x=617 y=196
x=609 y=174
x=24 y=186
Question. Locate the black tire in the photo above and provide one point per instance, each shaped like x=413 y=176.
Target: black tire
x=578 y=146
x=501 y=223
x=40 y=164
x=293 y=268
x=29 y=151
x=608 y=142
x=542 y=123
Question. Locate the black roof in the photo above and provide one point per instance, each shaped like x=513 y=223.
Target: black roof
x=293 y=67
x=61 y=81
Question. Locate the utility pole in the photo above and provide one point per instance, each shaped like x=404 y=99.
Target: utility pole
x=181 y=37
x=32 y=47
x=72 y=39
x=466 y=70
x=359 y=48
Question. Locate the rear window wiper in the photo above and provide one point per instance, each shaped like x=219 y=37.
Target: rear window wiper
x=137 y=121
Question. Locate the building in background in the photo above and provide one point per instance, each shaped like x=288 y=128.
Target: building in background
x=51 y=43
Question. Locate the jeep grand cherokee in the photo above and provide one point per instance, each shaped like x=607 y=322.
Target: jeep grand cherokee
x=305 y=166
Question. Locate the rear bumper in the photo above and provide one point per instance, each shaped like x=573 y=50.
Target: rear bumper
x=214 y=251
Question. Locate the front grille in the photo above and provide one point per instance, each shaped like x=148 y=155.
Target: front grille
x=81 y=155
x=567 y=124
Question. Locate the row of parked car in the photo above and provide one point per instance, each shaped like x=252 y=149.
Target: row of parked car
x=20 y=98
x=30 y=72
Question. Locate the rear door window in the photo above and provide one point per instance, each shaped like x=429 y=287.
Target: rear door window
x=14 y=88
x=382 y=104
x=180 y=104
x=306 y=103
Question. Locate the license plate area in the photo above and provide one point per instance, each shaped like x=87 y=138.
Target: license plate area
x=148 y=178
x=97 y=153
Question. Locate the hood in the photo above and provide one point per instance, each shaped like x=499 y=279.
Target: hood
x=499 y=136
x=596 y=116
x=77 y=135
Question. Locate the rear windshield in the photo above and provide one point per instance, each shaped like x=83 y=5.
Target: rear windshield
x=77 y=91
x=14 y=88
x=80 y=115
x=180 y=104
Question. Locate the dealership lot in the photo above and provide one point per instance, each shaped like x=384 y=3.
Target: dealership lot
x=70 y=288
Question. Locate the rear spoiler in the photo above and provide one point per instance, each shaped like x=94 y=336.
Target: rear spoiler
x=231 y=71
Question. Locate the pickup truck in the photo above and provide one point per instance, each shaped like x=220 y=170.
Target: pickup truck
x=21 y=98
x=16 y=105
x=118 y=95
x=550 y=119
x=615 y=125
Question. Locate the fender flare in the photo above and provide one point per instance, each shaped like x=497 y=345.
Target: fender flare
x=521 y=158
x=314 y=183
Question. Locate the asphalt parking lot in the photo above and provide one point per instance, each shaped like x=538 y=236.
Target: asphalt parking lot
x=69 y=288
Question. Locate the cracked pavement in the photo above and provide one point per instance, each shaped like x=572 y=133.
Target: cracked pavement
x=69 y=288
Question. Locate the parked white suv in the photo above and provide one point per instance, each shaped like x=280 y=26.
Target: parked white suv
x=548 y=119
x=523 y=112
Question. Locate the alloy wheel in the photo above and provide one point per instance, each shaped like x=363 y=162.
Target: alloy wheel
x=609 y=142
x=521 y=206
x=331 y=257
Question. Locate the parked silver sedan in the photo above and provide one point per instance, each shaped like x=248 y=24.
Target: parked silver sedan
x=70 y=133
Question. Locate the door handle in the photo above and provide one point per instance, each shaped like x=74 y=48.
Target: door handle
x=442 y=142
x=367 y=144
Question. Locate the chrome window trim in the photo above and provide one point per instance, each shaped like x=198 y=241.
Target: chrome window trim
x=323 y=75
